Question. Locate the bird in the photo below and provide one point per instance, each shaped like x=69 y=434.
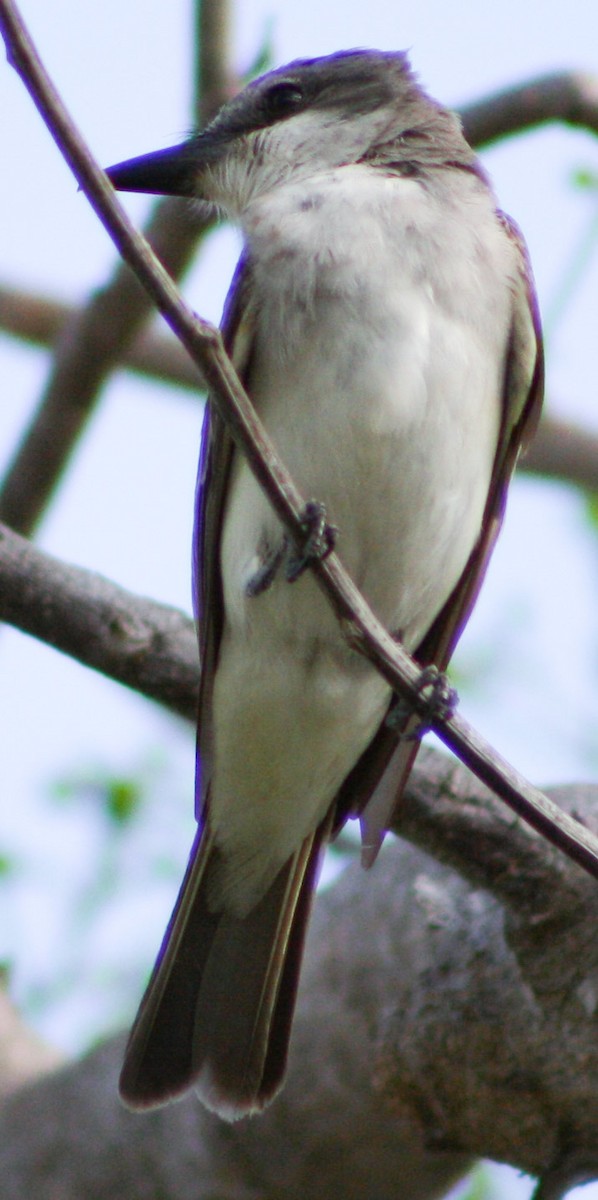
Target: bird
x=384 y=321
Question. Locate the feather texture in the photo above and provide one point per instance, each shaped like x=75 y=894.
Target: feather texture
x=383 y=320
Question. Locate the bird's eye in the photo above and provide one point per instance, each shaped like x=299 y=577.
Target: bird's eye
x=282 y=99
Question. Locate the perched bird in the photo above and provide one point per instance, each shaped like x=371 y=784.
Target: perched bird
x=383 y=320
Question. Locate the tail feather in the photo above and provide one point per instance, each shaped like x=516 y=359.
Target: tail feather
x=218 y=1008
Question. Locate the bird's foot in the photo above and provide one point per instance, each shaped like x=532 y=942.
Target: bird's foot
x=318 y=541
x=440 y=703
x=266 y=574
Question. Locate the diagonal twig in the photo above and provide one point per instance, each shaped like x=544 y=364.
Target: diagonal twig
x=42 y=319
x=561 y=449
x=203 y=342
x=152 y=648
x=94 y=339
x=98 y=334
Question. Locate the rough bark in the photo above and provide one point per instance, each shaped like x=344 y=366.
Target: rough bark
x=440 y=1019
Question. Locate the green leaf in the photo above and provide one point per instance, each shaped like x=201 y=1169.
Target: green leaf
x=119 y=796
x=123 y=797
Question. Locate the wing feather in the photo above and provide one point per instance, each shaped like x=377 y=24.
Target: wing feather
x=374 y=787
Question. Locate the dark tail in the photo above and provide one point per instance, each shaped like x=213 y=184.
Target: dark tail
x=218 y=1008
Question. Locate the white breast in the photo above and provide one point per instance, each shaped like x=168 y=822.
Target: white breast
x=378 y=371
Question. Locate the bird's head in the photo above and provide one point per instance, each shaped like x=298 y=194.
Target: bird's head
x=310 y=116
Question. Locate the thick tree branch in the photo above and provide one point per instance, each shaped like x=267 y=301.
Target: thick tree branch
x=204 y=343
x=574 y=1171
x=450 y=816
x=567 y=96
x=147 y=646
x=547 y=909
x=434 y=1026
x=436 y=1010
x=152 y=648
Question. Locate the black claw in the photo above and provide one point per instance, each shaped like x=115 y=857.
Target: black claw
x=266 y=574
x=440 y=698
x=319 y=541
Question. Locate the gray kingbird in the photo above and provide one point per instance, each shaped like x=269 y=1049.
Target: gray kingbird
x=383 y=320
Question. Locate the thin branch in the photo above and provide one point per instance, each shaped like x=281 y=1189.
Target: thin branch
x=564 y=451
x=94 y=341
x=89 y=346
x=560 y=449
x=98 y=336
x=203 y=341
x=212 y=40
x=152 y=648
x=446 y=813
x=567 y=96
x=140 y=643
x=42 y=320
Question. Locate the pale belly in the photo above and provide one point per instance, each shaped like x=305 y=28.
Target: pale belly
x=404 y=473
x=388 y=412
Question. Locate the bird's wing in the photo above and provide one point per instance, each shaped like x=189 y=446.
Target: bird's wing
x=375 y=785
x=216 y=453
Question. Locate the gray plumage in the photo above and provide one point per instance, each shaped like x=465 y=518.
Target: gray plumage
x=383 y=321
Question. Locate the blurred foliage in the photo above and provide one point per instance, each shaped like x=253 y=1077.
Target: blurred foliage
x=592 y=508
x=584 y=180
x=99 y=891
x=6 y=865
x=264 y=58
x=479 y=1186
x=117 y=796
